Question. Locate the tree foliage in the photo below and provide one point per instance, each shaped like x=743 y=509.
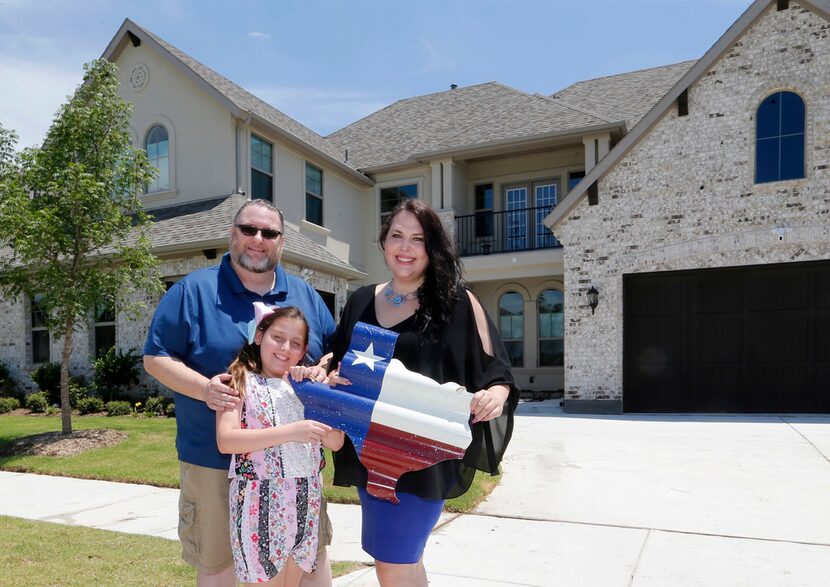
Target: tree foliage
x=70 y=213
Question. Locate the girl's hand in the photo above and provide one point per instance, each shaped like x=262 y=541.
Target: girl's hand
x=308 y=431
x=488 y=403
x=315 y=373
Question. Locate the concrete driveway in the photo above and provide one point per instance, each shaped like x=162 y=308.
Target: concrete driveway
x=654 y=500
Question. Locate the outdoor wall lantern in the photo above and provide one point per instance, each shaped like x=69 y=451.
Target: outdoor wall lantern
x=593 y=298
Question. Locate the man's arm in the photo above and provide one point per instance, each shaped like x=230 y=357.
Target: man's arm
x=182 y=379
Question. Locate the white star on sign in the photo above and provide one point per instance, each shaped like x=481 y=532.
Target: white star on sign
x=367 y=357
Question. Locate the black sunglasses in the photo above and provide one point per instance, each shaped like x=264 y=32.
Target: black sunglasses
x=250 y=230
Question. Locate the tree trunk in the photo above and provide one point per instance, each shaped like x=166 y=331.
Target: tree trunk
x=66 y=408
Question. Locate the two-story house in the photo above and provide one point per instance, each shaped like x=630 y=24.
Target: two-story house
x=502 y=167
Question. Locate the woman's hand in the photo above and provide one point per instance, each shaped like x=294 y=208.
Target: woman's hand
x=335 y=379
x=307 y=431
x=488 y=403
x=315 y=373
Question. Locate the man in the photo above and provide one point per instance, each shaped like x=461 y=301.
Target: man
x=197 y=329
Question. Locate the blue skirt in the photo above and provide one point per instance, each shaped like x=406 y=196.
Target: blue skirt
x=397 y=533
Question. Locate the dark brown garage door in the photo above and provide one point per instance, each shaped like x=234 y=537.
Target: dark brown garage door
x=740 y=339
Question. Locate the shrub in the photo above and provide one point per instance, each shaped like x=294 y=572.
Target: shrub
x=8 y=386
x=114 y=372
x=7 y=404
x=154 y=406
x=77 y=391
x=48 y=379
x=118 y=408
x=90 y=405
x=170 y=410
x=37 y=402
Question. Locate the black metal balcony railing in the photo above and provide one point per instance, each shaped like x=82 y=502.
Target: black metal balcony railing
x=487 y=233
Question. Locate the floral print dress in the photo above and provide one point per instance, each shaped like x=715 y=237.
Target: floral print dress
x=275 y=493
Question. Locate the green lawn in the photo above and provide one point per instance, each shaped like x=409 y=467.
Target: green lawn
x=42 y=553
x=148 y=456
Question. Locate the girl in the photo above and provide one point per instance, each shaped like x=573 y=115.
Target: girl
x=276 y=486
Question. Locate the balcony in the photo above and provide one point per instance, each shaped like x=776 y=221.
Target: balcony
x=509 y=231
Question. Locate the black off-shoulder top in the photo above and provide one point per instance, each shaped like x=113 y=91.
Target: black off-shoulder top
x=454 y=354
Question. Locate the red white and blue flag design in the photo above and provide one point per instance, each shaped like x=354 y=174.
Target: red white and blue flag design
x=398 y=420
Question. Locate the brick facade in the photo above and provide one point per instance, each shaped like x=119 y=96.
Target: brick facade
x=130 y=333
x=685 y=197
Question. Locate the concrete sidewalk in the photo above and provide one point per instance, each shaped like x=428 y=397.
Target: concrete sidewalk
x=584 y=501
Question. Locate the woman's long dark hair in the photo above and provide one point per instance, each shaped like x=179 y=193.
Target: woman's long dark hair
x=438 y=294
x=250 y=355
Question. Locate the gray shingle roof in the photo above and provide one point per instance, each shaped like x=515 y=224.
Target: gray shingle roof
x=246 y=101
x=463 y=117
x=626 y=96
x=201 y=223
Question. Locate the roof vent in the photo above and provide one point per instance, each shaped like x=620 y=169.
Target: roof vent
x=453 y=86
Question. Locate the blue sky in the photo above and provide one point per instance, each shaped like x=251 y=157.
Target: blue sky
x=328 y=63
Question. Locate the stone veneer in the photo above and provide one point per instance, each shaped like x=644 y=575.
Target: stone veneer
x=15 y=337
x=685 y=197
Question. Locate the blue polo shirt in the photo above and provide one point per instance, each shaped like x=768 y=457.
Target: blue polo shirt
x=203 y=322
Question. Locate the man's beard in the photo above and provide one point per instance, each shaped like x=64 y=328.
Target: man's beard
x=263 y=266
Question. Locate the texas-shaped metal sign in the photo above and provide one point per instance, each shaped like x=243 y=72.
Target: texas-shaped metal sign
x=398 y=420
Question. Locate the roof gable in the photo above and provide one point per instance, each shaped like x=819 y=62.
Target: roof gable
x=738 y=28
x=236 y=99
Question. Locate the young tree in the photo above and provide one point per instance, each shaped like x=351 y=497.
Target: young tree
x=70 y=216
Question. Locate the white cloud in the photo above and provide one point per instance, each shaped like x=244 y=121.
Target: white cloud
x=322 y=110
x=258 y=35
x=31 y=94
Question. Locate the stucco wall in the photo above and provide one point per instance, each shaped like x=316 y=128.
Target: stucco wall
x=685 y=196
x=194 y=120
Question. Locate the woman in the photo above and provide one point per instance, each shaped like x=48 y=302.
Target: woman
x=445 y=334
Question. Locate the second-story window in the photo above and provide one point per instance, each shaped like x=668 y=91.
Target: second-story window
x=313 y=194
x=484 y=210
x=158 y=154
x=262 y=165
x=391 y=196
x=779 y=138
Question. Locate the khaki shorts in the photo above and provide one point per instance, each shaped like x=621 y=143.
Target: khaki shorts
x=204 y=527
x=203 y=518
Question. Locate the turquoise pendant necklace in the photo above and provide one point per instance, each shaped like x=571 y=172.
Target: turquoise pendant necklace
x=398 y=299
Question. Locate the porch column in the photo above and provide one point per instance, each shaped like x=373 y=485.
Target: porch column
x=448 y=176
x=437 y=177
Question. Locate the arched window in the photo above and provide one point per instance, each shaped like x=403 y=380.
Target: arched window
x=551 y=328
x=158 y=153
x=779 y=138
x=512 y=326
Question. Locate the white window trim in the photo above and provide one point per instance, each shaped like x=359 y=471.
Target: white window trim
x=171 y=191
